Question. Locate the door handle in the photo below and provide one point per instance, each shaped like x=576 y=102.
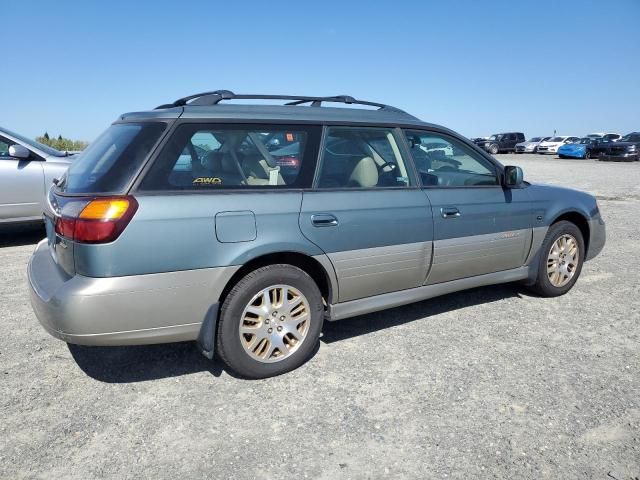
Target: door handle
x=449 y=212
x=324 y=220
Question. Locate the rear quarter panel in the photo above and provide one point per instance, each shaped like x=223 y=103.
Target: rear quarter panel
x=178 y=232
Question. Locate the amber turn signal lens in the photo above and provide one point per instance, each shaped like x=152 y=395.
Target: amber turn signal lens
x=106 y=209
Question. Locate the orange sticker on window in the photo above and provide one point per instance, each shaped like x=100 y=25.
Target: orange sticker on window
x=289 y=137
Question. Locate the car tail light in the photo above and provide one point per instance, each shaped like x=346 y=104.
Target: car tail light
x=100 y=220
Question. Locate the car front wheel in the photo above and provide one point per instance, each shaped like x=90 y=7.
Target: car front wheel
x=493 y=149
x=561 y=256
x=270 y=322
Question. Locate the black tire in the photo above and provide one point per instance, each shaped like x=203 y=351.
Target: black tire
x=543 y=285
x=562 y=156
x=588 y=155
x=493 y=149
x=228 y=343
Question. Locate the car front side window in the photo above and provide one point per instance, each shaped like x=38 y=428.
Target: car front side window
x=4 y=148
x=443 y=161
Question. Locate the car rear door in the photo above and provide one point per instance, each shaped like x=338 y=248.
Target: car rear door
x=367 y=213
x=479 y=227
x=21 y=185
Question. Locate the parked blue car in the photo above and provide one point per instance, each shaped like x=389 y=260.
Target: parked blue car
x=582 y=149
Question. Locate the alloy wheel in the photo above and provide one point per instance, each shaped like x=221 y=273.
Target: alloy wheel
x=562 y=261
x=274 y=323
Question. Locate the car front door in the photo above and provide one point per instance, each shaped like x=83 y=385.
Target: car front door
x=368 y=214
x=21 y=185
x=479 y=226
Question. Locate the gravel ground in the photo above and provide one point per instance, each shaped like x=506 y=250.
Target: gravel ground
x=488 y=383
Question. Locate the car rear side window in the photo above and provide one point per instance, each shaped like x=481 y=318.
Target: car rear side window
x=220 y=156
x=112 y=160
x=355 y=157
x=443 y=161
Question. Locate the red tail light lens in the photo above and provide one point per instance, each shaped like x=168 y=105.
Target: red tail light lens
x=101 y=220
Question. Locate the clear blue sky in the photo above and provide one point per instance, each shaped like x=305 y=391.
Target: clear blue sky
x=70 y=67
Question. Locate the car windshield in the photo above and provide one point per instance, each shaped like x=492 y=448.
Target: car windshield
x=585 y=140
x=631 y=137
x=496 y=137
x=32 y=143
x=557 y=139
x=535 y=139
x=110 y=161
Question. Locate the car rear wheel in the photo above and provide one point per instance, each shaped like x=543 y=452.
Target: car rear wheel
x=562 y=156
x=493 y=149
x=587 y=155
x=561 y=256
x=270 y=322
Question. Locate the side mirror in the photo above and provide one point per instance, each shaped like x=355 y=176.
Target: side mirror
x=513 y=176
x=18 y=151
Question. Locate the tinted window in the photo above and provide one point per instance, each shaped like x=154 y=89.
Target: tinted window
x=111 y=161
x=4 y=148
x=362 y=158
x=631 y=137
x=444 y=161
x=215 y=156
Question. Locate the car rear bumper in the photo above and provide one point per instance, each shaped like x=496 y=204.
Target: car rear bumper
x=137 y=309
x=626 y=157
x=597 y=237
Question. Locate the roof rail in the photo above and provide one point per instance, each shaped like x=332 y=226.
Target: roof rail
x=215 y=97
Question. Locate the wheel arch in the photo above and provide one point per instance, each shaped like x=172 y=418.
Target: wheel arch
x=580 y=221
x=323 y=275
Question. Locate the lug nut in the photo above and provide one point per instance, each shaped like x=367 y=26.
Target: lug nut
x=274 y=314
x=282 y=318
x=266 y=320
x=279 y=329
x=270 y=330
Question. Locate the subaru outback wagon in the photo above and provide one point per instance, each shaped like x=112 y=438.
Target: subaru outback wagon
x=245 y=226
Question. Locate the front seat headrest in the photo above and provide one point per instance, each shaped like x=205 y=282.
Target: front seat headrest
x=365 y=173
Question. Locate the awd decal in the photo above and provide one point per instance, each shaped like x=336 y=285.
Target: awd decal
x=207 y=180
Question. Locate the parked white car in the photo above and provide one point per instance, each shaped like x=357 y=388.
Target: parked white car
x=552 y=145
x=531 y=145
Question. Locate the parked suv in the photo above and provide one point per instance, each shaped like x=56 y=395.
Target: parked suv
x=181 y=224
x=627 y=149
x=501 y=142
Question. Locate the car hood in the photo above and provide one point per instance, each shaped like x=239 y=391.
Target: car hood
x=619 y=144
x=69 y=159
x=573 y=146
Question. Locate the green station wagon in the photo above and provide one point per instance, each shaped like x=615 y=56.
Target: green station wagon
x=244 y=226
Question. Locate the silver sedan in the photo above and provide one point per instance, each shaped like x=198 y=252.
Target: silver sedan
x=27 y=169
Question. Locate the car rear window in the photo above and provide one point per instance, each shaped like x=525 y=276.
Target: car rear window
x=218 y=156
x=110 y=161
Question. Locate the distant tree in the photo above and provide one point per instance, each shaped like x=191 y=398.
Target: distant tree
x=61 y=143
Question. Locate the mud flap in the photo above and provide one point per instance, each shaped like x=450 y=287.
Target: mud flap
x=207 y=336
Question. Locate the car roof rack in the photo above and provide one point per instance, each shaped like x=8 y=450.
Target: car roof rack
x=215 y=97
